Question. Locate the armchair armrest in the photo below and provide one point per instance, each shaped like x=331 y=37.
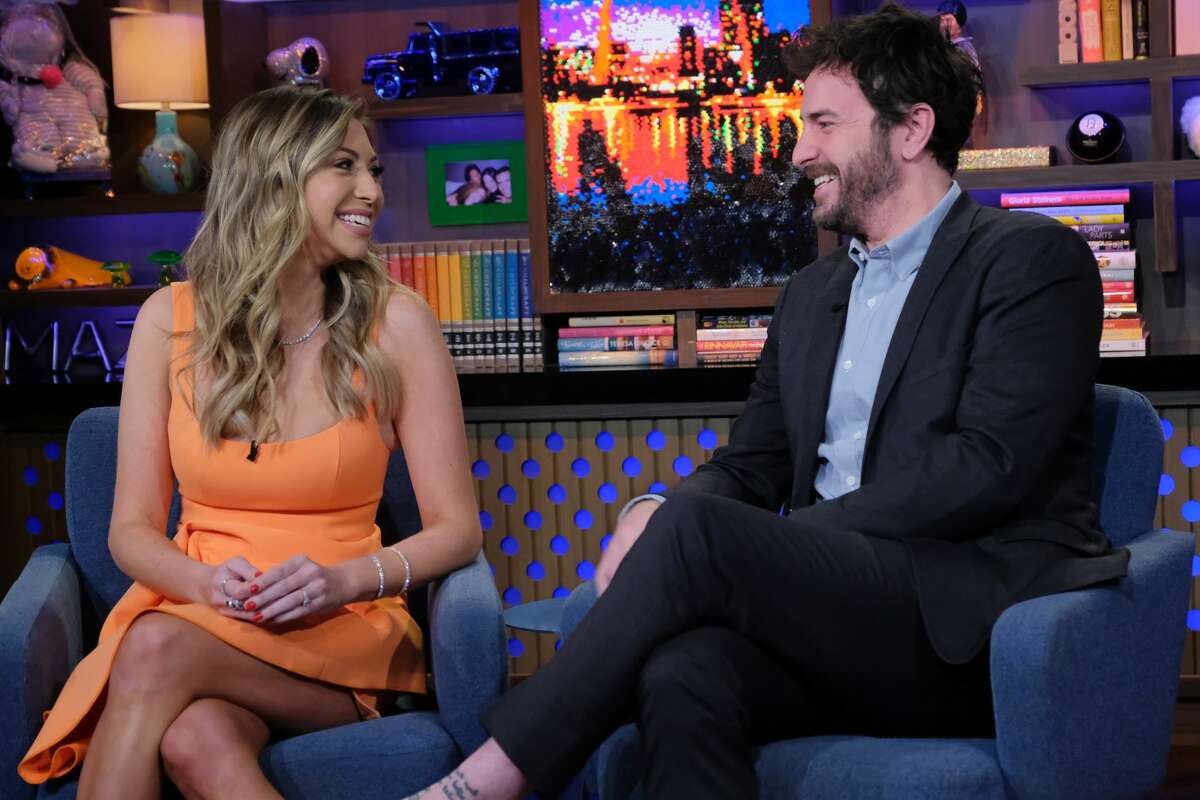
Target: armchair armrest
x=41 y=641
x=579 y=602
x=470 y=661
x=1084 y=682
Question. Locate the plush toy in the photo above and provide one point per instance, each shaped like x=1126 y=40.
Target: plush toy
x=50 y=93
x=1189 y=121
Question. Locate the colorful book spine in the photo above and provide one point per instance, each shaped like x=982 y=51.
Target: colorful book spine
x=1121 y=311
x=616 y=330
x=733 y=346
x=453 y=271
x=418 y=272
x=423 y=260
x=628 y=358
x=470 y=345
x=1117 y=345
x=1187 y=28
x=404 y=254
x=392 y=258
x=1103 y=231
x=1068 y=32
x=531 y=324
x=1110 y=29
x=709 y=359
x=1085 y=197
x=512 y=303
x=498 y=306
x=1122 y=296
x=1091 y=40
x=730 y=334
x=478 y=321
x=488 y=303
x=1079 y=215
x=735 y=321
x=1117 y=260
x=1126 y=30
x=1109 y=245
x=1117 y=286
x=1122 y=325
x=1107 y=275
x=629 y=319
x=1141 y=28
x=615 y=343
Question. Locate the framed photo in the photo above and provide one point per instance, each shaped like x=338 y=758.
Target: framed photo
x=664 y=131
x=476 y=183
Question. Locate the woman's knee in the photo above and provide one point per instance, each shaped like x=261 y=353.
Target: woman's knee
x=205 y=739
x=149 y=654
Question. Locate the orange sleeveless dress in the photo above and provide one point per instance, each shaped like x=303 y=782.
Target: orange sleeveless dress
x=316 y=495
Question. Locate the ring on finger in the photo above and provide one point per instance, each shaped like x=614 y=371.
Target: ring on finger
x=305 y=599
x=223 y=580
x=236 y=605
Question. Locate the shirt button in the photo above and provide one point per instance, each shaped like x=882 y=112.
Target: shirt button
x=870 y=302
x=847 y=364
x=851 y=481
x=858 y=435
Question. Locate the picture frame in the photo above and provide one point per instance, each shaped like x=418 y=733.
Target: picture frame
x=476 y=183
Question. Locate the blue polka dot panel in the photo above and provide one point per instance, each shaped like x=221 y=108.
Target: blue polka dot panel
x=1190 y=457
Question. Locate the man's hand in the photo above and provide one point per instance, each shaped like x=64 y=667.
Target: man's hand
x=628 y=530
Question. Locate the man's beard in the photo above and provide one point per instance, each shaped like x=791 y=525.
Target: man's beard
x=866 y=179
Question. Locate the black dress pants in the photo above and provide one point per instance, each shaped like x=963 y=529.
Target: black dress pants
x=727 y=627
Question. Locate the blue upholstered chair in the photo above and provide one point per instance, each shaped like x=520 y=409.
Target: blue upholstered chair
x=1084 y=682
x=50 y=618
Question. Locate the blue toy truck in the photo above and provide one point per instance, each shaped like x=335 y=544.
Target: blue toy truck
x=441 y=61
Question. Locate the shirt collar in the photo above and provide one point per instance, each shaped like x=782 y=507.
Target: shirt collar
x=907 y=251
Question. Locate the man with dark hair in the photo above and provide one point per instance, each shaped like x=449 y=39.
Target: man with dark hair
x=922 y=413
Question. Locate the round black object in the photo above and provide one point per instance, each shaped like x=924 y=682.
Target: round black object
x=1096 y=137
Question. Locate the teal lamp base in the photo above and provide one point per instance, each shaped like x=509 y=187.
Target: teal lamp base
x=168 y=165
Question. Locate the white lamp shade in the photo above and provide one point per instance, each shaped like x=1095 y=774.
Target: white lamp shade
x=158 y=61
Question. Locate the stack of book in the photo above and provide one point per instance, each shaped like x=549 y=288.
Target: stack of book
x=482 y=294
x=723 y=339
x=1099 y=216
x=630 y=340
x=1103 y=30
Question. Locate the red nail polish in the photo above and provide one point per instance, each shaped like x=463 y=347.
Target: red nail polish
x=257 y=617
x=257 y=574
x=254 y=588
x=251 y=606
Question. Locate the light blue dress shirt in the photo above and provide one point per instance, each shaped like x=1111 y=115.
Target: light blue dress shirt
x=877 y=296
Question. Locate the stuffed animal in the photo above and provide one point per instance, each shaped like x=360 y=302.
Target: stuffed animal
x=50 y=93
x=304 y=62
x=1189 y=121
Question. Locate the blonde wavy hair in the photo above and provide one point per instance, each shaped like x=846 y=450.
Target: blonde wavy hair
x=255 y=221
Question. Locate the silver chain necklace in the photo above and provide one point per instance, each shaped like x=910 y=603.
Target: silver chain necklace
x=303 y=337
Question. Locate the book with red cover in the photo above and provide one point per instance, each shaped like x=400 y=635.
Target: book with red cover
x=613 y=330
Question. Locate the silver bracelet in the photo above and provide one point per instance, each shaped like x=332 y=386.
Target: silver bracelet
x=395 y=548
x=650 y=496
x=379 y=569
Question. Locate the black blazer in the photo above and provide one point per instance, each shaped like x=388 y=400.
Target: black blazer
x=979 y=449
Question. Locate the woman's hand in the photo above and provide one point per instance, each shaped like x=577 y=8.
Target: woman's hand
x=296 y=588
x=231 y=581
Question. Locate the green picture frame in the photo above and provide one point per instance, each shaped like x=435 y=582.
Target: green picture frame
x=467 y=183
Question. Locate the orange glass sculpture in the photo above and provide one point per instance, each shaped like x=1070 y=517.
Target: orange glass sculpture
x=55 y=268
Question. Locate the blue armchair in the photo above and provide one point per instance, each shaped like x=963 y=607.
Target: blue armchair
x=1084 y=682
x=50 y=618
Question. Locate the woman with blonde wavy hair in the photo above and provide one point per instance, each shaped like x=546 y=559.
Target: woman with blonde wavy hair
x=273 y=387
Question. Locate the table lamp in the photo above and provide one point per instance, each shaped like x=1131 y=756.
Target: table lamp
x=159 y=65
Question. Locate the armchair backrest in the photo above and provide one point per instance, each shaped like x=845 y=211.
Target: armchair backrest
x=1127 y=463
x=91 y=475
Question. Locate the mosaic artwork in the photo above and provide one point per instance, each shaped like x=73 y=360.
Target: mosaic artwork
x=669 y=131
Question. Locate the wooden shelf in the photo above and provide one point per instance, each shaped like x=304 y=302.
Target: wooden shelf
x=1079 y=175
x=670 y=300
x=1110 y=72
x=93 y=206
x=457 y=106
x=75 y=298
